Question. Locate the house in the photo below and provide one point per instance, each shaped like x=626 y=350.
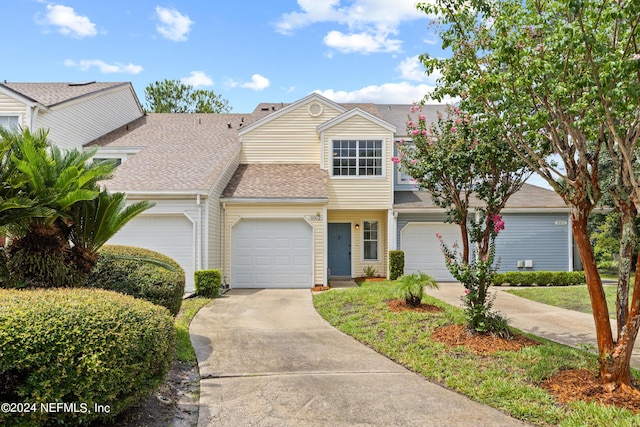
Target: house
x=289 y=195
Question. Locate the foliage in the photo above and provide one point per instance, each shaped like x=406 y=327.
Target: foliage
x=539 y=278
x=396 y=264
x=507 y=380
x=140 y=273
x=207 y=283
x=369 y=271
x=559 y=78
x=410 y=287
x=80 y=346
x=173 y=96
x=56 y=235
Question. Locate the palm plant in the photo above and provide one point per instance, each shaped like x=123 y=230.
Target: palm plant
x=94 y=222
x=411 y=287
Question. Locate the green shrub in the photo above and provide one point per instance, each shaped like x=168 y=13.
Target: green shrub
x=82 y=347
x=411 y=287
x=540 y=278
x=140 y=273
x=207 y=283
x=396 y=264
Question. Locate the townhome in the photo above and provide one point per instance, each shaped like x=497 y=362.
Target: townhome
x=289 y=195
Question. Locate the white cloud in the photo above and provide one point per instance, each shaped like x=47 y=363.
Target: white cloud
x=387 y=93
x=257 y=82
x=85 y=64
x=412 y=69
x=374 y=20
x=361 y=42
x=68 y=22
x=197 y=78
x=173 y=25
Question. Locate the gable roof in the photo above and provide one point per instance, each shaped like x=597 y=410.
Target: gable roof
x=529 y=197
x=180 y=152
x=50 y=94
x=356 y=112
x=278 y=181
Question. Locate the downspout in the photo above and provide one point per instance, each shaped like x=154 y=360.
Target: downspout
x=199 y=235
x=570 y=244
x=34 y=113
x=223 y=252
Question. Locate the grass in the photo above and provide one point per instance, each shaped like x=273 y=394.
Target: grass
x=184 y=350
x=508 y=381
x=574 y=298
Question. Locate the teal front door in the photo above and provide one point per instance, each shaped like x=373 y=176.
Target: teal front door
x=340 y=249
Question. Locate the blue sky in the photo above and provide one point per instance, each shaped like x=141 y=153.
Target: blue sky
x=249 y=52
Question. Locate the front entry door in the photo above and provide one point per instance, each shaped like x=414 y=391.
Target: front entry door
x=340 y=249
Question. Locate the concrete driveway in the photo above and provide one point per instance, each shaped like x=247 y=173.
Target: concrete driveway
x=266 y=358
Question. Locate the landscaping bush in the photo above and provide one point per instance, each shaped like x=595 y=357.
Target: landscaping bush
x=207 y=283
x=80 y=347
x=396 y=264
x=140 y=273
x=411 y=287
x=539 y=278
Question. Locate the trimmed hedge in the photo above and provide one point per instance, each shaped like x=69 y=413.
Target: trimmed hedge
x=207 y=283
x=396 y=264
x=539 y=278
x=141 y=273
x=82 y=347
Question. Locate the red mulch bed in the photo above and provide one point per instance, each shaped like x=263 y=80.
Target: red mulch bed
x=581 y=384
x=401 y=305
x=459 y=335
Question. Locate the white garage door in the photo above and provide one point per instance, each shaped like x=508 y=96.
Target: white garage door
x=171 y=235
x=271 y=254
x=422 y=248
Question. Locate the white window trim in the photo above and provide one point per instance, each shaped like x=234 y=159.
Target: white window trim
x=362 y=241
x=13 y=114
x=383 y=141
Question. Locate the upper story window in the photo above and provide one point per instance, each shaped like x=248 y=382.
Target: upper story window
x=404 y=178
x=115 y=160
x=357 y=157
x=10 y=122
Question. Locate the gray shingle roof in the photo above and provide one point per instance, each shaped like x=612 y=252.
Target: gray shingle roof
x=280 y=181
x=181 y=152
x=398 y=114
x=50 y=94
x=529 y=197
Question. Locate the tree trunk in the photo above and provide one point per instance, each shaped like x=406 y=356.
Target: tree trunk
x=465 y=240
x=627 y=244
x=611 y=373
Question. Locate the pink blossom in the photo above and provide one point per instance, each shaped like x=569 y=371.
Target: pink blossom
x=414 y=161
x=498 y=223
x=415 y=107
x=467 y=291
x=636 y=57
x=424 y=131
x=453 y=129
x=458 y=121
x=439 y=236
x=395 y=160
x=415 y=132
x=410 y=123
x=422 y=117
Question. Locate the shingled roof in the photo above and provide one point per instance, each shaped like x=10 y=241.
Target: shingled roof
x=50 y=94
x=180 y=152
x=529 y=197
x=278 y=181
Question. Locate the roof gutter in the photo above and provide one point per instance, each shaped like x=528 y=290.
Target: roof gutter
x=291 y=200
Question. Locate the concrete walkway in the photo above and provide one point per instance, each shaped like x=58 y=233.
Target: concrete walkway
x=553 y=323
x=266 y=358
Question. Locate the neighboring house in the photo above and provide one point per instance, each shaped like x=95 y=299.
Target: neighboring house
x=286 y=196
x=537 y=233
x=74 y=113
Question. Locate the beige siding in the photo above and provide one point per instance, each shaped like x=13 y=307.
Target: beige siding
x=290 y=138
x=9 y=106
x=360 y=192
x=357 y=217
x=214 y=216
x=76 y=123
x=312 y=213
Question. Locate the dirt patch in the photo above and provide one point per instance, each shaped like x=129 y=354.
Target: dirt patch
x=398 y=305
x=320 y=288
x=174 y=403
x=459 y=335
x=581 y=384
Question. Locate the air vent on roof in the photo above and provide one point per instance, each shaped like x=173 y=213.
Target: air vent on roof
x=82 y=83
x=265 y=108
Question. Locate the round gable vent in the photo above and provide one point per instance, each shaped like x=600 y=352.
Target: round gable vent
x=315 y=109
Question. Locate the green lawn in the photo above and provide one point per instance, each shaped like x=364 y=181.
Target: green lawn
x=574 y=298
x=189 y=308
x=507 y=380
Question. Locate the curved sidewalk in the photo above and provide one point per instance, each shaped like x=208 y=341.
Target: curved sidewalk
x=266 y=358
x=553 y=323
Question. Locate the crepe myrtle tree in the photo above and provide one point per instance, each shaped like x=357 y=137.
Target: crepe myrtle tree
x=559 y=77
x=458 y=158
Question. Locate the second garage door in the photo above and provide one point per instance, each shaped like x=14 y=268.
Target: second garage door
x=422 y=248
x=271 y=254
